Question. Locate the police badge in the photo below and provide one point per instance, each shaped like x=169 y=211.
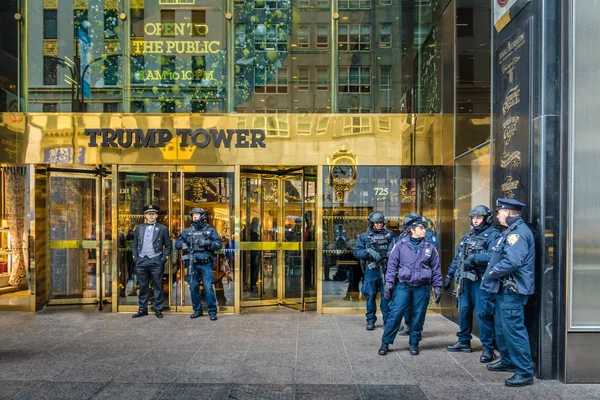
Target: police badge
x=512 y=238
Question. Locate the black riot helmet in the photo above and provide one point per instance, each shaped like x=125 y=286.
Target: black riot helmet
x=483 y=211
x=198 y=210
x=374 y=217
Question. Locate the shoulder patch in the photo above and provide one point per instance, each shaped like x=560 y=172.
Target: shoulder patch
x=512 y=238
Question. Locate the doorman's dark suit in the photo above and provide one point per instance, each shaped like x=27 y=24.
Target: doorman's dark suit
x=151 y=268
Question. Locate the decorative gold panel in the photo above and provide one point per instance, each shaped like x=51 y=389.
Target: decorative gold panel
x=80 y=4
x=50 y=47
x=50 y=4
x=224 y=139
x=111 y=4
x=137 y=3
x=112 y=46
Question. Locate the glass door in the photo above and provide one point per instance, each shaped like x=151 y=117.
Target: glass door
x=277 y=237
x=175 y=191
x=80 y=245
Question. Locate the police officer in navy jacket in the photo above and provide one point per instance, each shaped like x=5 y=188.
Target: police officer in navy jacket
x=413 y=268
x=510 y=278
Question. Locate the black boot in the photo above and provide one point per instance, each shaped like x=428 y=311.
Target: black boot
x=140 y=314
x=197 y=314
x=213 y=317
x=500 y=366
x=383 y=350
x=370 y=326
x=487 y=356
x=159 y=314
x=459 y=347
x=519 y=380
x=414 y=350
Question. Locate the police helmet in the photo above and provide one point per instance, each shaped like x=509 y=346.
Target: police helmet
x=483 y=211
x=376 y=216
x=198 y=210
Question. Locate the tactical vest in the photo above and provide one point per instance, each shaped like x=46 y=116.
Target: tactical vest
x=379 y=241
x=474 y=244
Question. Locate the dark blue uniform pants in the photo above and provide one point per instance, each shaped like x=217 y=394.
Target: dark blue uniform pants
x=474 y=300
x=150 y=269
x=417 y=299
x=205 y=273
x=511 y=334
x=373 y=284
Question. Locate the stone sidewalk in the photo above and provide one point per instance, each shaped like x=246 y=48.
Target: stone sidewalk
x=282 y=354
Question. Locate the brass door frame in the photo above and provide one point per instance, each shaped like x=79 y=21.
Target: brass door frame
x=280 y=245
x=98 y=244
x=176 y=169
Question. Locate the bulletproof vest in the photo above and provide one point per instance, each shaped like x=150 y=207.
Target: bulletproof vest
x=474 y=244
x=197 y=237
x=379 y=242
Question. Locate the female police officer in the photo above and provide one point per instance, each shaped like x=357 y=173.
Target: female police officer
x=413 y=267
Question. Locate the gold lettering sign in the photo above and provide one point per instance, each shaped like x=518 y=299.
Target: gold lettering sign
x=509 y=184
x=510 y=159
x=509 y=127
x=511 y=100
x=509 y=68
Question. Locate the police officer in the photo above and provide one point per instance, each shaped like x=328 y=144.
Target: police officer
x=510 y=278
x=199 y=243
x=413 y=267
x=151 y=248
x=371 y=249
x=430 y=236
x=471 y=259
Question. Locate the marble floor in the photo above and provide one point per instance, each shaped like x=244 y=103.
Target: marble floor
x=273 y=353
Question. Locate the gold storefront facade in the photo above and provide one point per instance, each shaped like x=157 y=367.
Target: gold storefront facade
x=287 y=193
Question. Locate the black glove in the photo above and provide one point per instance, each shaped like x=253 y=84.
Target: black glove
x=447 y=282
x=374 y=255
x=202 y=244
x=387 y=291
x=469 y=263
x=438 y=294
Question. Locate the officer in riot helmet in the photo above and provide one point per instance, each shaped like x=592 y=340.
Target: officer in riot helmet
x=432 y=238
x=372 y=249
x=467 y=267
x=199 y=243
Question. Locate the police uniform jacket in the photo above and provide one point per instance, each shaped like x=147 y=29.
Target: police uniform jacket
x=160 y=239
x=208 y=233
x=414 y=267
x=485 y=238
x=513 y=254
x=367 y=240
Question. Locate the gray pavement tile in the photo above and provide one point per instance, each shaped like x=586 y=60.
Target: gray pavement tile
x=101 y=366
x=211 y=367
x=17 y=389
x=532 y=392
x=45 y=390
x=267 y=367
x=321 y=345
x=226 y=344
x=311 y=369
x=131 y=390
x=266 y=375
x=327 y=392
x=194 y=391
x=276 y=333
x=264 y=392
x=273 y=345
x=395 y=392
x=156 y=367
x=443 y=391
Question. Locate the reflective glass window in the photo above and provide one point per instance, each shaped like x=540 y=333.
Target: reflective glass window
x=50 y=28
